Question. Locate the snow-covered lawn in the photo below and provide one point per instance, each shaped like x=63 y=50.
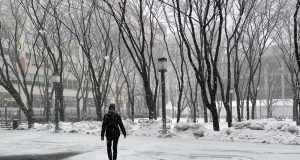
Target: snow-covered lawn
x=246 y=140
x=22 y=142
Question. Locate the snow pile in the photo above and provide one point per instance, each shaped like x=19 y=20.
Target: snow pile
x=86 y=127
x=260 y=131
x=199 y=133
x=44 y=127
x=255 y=131
x=189 y=128
x=148 y=128
x=256 y=126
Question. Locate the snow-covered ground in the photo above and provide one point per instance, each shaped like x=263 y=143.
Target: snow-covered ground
x=255 y=131
x=246 y=140
x=25 y=142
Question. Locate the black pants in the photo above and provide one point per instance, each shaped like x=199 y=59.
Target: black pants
x=112 y=156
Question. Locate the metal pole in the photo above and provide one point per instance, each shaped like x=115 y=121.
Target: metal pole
x=56 y=106
x=163 y=95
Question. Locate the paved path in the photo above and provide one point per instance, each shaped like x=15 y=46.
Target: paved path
x=152 y=148
x=40 y=145
x=53 y=156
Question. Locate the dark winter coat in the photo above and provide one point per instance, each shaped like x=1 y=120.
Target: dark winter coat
x=111 y=125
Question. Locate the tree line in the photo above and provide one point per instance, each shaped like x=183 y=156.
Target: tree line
x=214 y=48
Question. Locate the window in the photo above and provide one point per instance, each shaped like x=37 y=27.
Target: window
x=37 y=101
x=8 y=101
x=75 y=85
x=70 y=84
x=70 y=101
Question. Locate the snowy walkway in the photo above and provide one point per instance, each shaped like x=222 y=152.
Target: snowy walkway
x=136 y=148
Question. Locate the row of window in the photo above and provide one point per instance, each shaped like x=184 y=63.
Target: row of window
x=6 y=100
x=40 y=80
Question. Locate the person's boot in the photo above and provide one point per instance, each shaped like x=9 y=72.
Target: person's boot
x=110 y=157
x=115 y=157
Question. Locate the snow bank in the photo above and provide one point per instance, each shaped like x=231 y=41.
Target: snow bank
x=255 y=131
x=86 y=127
x=261 y=131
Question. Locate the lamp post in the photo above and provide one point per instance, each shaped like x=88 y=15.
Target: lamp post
x=162 y=68
x=55 y=81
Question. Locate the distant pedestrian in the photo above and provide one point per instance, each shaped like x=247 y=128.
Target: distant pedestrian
x=111 y=123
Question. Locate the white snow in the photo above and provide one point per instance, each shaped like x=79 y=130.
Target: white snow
x=255 y=131
x=184 y=140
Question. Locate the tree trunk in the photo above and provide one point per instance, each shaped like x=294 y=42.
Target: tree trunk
x=215 y=118
x=295 y=108
x=269 y=113
x=98 y=104
x=29 y=116
x=47 y=105
x=228 y=116
x=132 y=111
x=205 y=113
x=61 y=104
x=151 y=104
x=253 y=109
x=195 y=113
x=78 y=109
x=179 y=107
x=48 y=109
x=238 y=111
x=247 y=105
x=178 y=112
x=242 y=110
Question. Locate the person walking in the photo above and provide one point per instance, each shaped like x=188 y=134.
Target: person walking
x=111 y=123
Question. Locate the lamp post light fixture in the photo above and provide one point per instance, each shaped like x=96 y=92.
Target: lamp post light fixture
x=162 y=68
x=55 y=78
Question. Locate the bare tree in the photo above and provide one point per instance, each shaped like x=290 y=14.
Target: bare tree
x=176 y=55
x=233 y=32
x=284 y=41
x=139 y=31
x=50 y=29
x=129 y=74
x=86 y=23
x=203 y=52
x=13 y=65
x=255 y=42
